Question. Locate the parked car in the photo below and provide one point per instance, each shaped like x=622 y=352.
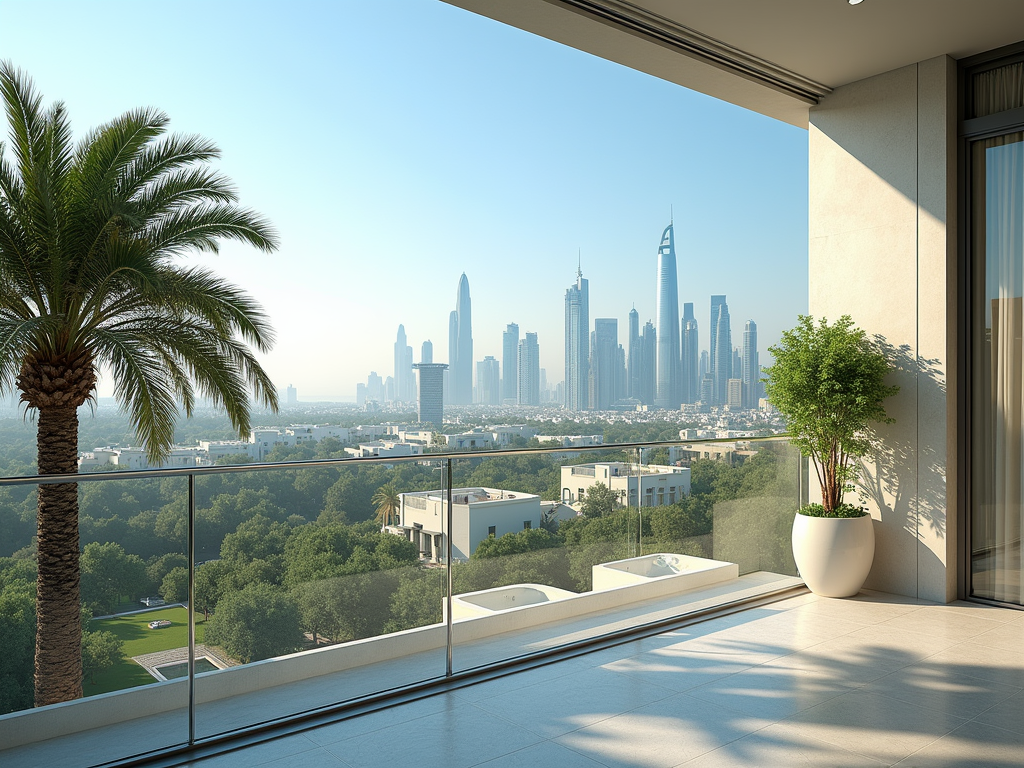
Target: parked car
x=159 y=624
x=150 y=602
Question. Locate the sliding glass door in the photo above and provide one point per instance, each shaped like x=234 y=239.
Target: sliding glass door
x=996 y=242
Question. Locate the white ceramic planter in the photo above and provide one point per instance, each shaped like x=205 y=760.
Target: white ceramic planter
x=832 y=554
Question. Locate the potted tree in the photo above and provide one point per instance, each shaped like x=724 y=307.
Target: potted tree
x=828 y=381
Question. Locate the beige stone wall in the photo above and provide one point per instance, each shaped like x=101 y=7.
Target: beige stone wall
x=882 y=248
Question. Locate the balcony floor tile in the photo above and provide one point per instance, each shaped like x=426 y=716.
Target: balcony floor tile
x=875 y=680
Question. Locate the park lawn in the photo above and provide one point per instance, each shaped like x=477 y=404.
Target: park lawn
x=139 y=639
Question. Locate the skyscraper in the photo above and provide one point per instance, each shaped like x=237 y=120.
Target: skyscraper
x=488 y=381
x=648 y=364
x=689 y=364
x=751 y=367
x=405 y=383
x=529 y=371
x=604 y=357
x=716 y=303
x=460 y=346
x=427 y=352
x=668 y=323
x=633 y=356
x=292 y=397
x=577 y=344
x=721 y=355
x=431 y=399
x=509 y=353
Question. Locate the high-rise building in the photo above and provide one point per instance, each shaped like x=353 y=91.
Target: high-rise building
x=528 y=391
x=648 y=362
x=604 y=345
x=488 y=381
x=721 y=355
x=716 y=304
x=633 y=356
x=577 y=344
x=620 y=375
x=737 y=363
x=291 y=395
x=690 y=356
x=734 y=394
x=460 y=346
x=405 y=383
x=509 y=353
x=668 y=395
x=751 y=366
x=431 y=396
x=427 y=352
x=707 y=389
x=705 y=365
x=374 y=387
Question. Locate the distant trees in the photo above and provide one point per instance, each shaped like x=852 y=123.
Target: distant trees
x=599 y=500
x=108 y=574
x=256 y=622
x=174 y=586
x=17 y=640
x=100 y=650
x=517 y=543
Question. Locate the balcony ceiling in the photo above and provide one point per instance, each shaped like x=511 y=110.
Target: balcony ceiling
x=816 y=44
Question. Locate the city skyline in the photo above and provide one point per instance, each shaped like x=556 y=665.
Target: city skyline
x=603 y=372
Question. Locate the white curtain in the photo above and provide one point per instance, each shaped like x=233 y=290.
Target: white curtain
x=999 y=167
x=998 y=90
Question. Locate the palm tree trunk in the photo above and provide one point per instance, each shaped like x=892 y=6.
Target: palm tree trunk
x=58 y=670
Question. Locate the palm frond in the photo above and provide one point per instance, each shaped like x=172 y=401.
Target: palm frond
x=200 y=227
x=142 y=388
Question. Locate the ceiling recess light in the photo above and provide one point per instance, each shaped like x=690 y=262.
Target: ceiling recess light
x=855 y=2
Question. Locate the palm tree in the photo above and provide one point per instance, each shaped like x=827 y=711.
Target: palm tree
x=91 y=279
x=387 y=503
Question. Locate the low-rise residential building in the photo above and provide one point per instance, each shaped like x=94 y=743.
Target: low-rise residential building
x=385 y=448
x=504 y=434
x=572 y=441
x=470 y=441
x=733 y=453
x=477 y=513
x=648 y=485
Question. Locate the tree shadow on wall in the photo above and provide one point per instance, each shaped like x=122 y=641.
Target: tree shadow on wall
x=903 y=475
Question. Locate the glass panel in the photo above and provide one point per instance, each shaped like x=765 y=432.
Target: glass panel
x=129 y=630
x=297 y=570
x=998 y=90
x=997 y=216
x=587 y=543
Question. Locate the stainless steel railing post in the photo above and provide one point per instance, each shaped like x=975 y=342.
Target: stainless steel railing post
x=191 y=547
x=448 y=558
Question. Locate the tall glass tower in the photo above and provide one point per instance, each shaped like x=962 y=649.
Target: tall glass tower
x=668 y=394
x=751 y=367
x=405 y=380
x=577 y=344
x=690 y=385
x=460 y=346
x=509 y=369
x=721 y=355
x=633 y=356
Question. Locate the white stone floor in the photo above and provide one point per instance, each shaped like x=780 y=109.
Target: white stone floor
x=806 y=681
x=876 y=680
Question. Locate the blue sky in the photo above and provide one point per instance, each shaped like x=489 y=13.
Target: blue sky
x=397 y=143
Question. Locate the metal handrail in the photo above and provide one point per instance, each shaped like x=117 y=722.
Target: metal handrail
x=146 y=474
